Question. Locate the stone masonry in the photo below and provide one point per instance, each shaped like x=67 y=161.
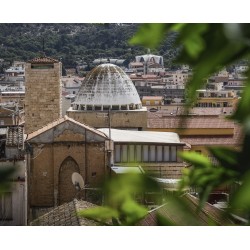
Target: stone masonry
x=43 y=93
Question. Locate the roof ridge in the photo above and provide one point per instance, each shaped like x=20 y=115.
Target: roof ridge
x=43 y=59
x=61 y=120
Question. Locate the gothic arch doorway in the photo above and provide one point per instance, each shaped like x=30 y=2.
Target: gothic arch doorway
x=66 y=189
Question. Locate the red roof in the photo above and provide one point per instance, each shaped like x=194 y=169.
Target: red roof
x=43 y=59
x=174 y=122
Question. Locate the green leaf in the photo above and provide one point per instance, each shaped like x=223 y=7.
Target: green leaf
x=196 y=159
x=133 y=212
x=227 y=157
x=101 y=214
x=240 y=201
x=163 y=221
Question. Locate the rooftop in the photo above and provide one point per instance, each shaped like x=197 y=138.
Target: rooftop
x=208 y=214
x=66 y=215
x=130 y=136
x=192 y=122
x=43 y=60
x=59 y=121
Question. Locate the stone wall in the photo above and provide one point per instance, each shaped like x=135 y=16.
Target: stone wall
x=51 y=170
x=119 y=119
x=42 y=96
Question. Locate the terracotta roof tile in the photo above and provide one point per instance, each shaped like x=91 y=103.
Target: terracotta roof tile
x=202 y=218
x=174 y=122
x=66 y=215
x=44 y=59
x=196 y=111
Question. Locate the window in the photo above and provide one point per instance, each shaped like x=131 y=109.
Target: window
x=173 y=154
x=159 y=153
x=117 y=153
x=6 y=206
x=152 y=153
x=131 y=151
x=145 y=153
x=166 y=153
x=138 y=153
x=124 y=153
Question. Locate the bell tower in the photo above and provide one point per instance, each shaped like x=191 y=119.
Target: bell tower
x=42 y=92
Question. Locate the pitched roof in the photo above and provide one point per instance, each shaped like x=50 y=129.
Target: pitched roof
x=191 y=122
x=118 y=135
x=66 y=215
x=59 y=121
x=195 y=111
x=43 y=59
x=171 y=213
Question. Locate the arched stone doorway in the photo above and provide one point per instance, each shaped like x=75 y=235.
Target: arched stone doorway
x=66 y=189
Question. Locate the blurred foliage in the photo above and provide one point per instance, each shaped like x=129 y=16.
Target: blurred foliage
x=5 y=177
x=123 y=200
x=207 y=48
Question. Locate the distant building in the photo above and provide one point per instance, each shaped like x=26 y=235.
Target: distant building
x=150 y=58
x=119 y=62
x=148 y=63
x=14 y=74
x=11 y=97
x=152 y=100
x=71 y=85
x=216 y=98
x=202 y=127
x=178 y=77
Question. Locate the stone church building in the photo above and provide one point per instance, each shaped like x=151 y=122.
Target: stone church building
x=58 y=150
x=58 y=146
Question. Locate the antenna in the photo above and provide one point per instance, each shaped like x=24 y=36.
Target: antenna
x=77 y=181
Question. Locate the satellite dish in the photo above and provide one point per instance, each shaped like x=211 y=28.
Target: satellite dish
x=77 y=180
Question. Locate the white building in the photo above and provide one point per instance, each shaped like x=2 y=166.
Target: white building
x=155 y=152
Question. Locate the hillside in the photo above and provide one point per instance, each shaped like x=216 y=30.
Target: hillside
x=74 y=43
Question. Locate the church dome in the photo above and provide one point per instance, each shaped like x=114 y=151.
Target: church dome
x=107 y=86
x=149 y=58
